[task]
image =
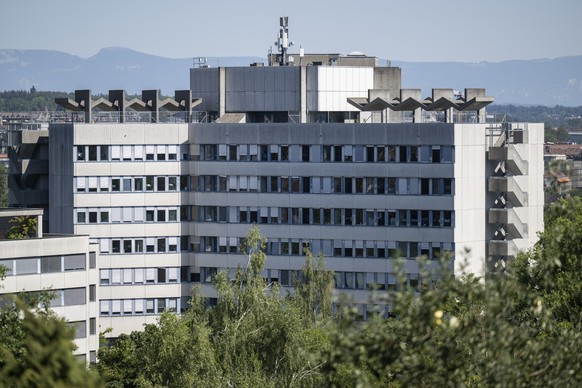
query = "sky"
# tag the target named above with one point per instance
(403, 30)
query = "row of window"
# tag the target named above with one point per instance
(127, 214)
(324, 185)
(335, 216)
(343, 280)
(338, 248)
(138, 306)
(152, 183)
(127, 276)
(328, 153)
(72, 296)
(47, 264)
(139, 245)
(107, 153)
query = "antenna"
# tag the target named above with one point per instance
(283, 42)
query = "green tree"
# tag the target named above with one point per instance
(24, 227)
(314, 288)
(36, 348)
(549, 134)
(562, 135)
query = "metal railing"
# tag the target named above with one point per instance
(24, 121)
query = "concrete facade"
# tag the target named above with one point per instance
(332, 156)
(63, 264)
(168, 204)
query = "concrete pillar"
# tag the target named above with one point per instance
(83, 97)
(184, 98)
(303, 97)
(221, 91)
(481, 115)
(417, 115)
(117, 98)
(449, 115)
(152, 99)
(39, 226)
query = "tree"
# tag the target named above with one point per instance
(562, 135)
(549, 134)
(314, 288)
(36, 347)
(252, 336)
(24, 227)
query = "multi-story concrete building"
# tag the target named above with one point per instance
(326, 152)
(64, 265)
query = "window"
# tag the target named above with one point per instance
(74, 296)
(115, 152)
(93, 217)
(104, 183)
(80, 330)
(81, 217)
(115, 246)
(161, 215)
(127, 246)
(74, 262)
(172, 183)
(161, 183)
(115, 184)
(305, 153)
(92, 328)
(81, 153)
(126, 184)
(104, 153)
(50, 264)
(104, 216)
(92, 293)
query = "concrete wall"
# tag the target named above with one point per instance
(205, 84)
(328, 87)
(61, 178)
(58, 246)
(263, 89)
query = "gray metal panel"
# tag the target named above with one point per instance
(250, 76)
(270, 78)
(259, 80)
(260, 101)
(239, 79)
(248, 102)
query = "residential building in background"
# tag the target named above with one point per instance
(65, 266)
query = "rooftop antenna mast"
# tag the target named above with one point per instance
(282, 42)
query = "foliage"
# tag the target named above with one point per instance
(554, 116)
(251, 337)
(36, 349)
(22, 101)
(314, 288)
(24, 227)
(520, 328)
(29, 101)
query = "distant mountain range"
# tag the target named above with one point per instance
(556, 81)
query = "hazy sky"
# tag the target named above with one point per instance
(408, 30)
